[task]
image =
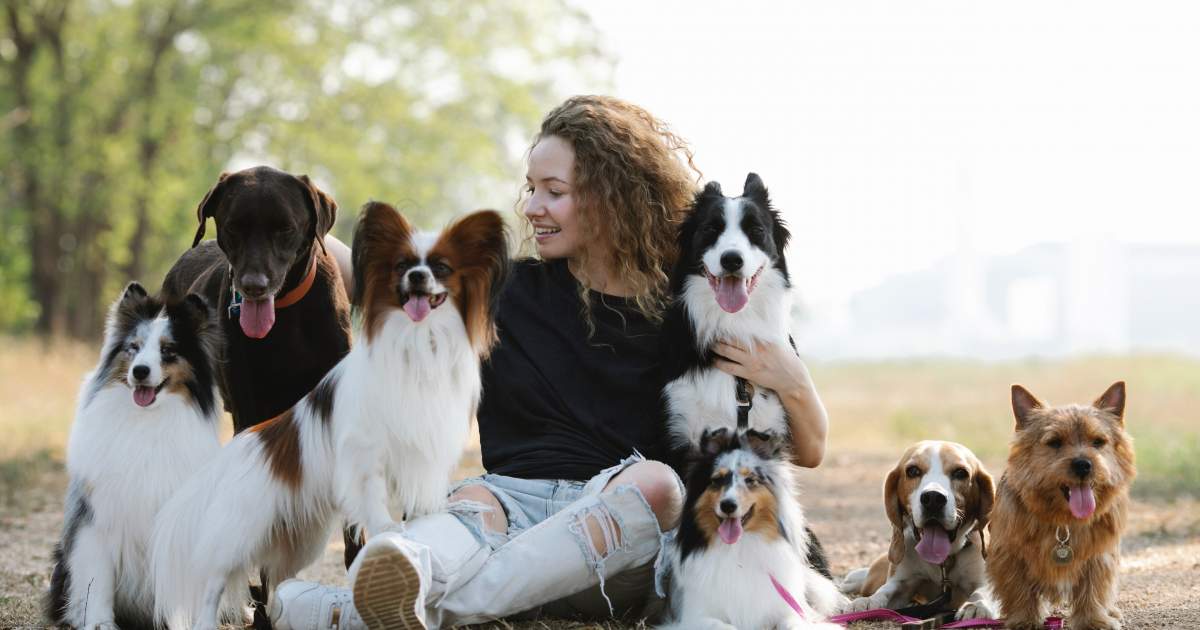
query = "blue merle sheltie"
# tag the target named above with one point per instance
(741, 556)
(147, 419)
(730, 283)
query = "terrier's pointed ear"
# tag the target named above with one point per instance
(714, 441)
(755, 189)
(1113, 401)
(1023, 404)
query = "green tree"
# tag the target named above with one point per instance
(116, 117)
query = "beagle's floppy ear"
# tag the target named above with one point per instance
(895, 512)
(208, 205)
(985, 498)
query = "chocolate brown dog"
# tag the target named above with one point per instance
(279, 294)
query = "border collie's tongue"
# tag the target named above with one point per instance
(934, 545)
(1082, 500)
(730, 530)
(731, 293)
(417, 307)
(143, 396)
(258, 316)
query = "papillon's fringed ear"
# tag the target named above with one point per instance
(714, 441)
(381, 236)
(765, 444)
(208, 206)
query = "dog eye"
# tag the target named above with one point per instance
(133, 347)
(440, 269)
(960, 473)
(751, 481)
(168, 353)
(912, 471)
(1055, 444)
(1098, 442)
(757, 231)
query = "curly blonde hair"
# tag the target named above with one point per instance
(634, 179)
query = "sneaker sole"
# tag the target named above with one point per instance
(386, 591)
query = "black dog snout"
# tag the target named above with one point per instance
(731, 261)
(728, 506)
(418, 278)
(933, 500)
(1081, 467)
(140, 372)
(254, 285)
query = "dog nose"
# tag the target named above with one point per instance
(418, 278)
(254, 284)
(728, 506)
(140, 372)
(1081, 467)
(933, 500)
(731, 261)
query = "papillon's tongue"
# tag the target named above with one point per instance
(257, 318)
(730, 530)
(143, 396)
(1082, 500)
(417, 307)
(731, 293)
(934, 545)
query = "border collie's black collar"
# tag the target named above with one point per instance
(744, 392)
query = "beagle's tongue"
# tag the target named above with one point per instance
(732, 294)
(257, 317)
(417, 307)
(1082, 500)
(143, 396)
(934, 545)
(730, 530)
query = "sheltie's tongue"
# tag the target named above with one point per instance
(417, 307)
(143, 396)
(732, 294)
(257, 318)
(934, 545)
(1082, 500)
(730, 530)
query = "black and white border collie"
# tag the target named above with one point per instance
(385, 428)
(730, 283)
(147, 421)
(741, 557)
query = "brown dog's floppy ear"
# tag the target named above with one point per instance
(1113, 401)
(208, 205)
(895, 513)
(322, 210)
(985, 498)
(1023, 404)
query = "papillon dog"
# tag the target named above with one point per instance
(740, 558)
(147, 421)
(729, 283)
(386, 426)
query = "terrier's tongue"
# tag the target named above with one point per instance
(1082, 501)
(730, 530)
(934, 545)
(143, 396)
(258, 316)
(731, 294)
(417, 307)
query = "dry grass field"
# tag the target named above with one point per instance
(876, 409)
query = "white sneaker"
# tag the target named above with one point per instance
(297, 605)
(389, 590)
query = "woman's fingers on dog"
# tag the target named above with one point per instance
(730, 367)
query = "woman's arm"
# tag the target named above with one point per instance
(778, 368)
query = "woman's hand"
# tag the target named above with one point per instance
(777, 367)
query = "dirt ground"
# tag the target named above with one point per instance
(1160, 576)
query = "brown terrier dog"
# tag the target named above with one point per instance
(1060, 509)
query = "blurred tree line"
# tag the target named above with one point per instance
(116, 116)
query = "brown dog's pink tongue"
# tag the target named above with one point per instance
(730, 530)
(1082, 500)
(417, 307)
(731, 294)
(934, 545)
(257, 318)
(143, 396)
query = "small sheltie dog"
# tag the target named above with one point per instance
(1060, 511)
(387, 425)
(730, 283)
(146, 422)
(742, 549)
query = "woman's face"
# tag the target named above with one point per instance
(551, 205)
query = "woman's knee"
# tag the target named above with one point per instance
(494, 519)
(659, 485)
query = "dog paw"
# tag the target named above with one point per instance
(975, 610)
(859, 605)
(1099, 622)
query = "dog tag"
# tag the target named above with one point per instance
(1062, 554)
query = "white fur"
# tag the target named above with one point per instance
(125, 461)
(402, 409)
(934, 480)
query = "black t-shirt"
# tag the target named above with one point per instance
(556, 404)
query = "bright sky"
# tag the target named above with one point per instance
(891, 133)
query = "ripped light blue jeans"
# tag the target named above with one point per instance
(546, 564)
